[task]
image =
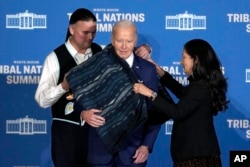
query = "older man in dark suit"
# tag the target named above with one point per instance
(133, 145)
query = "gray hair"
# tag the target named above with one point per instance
(123, 23)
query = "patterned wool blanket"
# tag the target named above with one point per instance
(105, 82)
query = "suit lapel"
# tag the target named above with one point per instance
(136, 68)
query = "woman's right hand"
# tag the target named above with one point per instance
(142, 89)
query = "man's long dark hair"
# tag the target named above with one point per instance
(207, 67)
(80, 14)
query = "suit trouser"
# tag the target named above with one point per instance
(98, 156)
(69, 144)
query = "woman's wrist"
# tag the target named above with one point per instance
(160, 71)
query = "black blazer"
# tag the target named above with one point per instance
(193, 133)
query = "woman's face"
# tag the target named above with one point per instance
(187, 63)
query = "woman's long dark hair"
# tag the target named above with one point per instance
(207, 67)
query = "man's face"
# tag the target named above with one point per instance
(83, 33)
(124, 40)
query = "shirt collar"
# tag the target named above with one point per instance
(73, 51)
(130, 60)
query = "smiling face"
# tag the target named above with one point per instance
(124, 39)
(187, 62)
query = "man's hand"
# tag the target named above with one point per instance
(93, 119)
(141, 154)
(65, 84)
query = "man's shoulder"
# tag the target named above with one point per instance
(60, 46)
(144, 62)
(61, 50)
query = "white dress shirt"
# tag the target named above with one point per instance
(130, 60)
(48, 92)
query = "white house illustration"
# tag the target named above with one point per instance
(26, 21)
(186, 22)
(26, 126)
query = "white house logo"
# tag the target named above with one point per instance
(186, 22)
(26, 21)
(248, 75)
(26, 126)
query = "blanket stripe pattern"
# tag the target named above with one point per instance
(105, 82)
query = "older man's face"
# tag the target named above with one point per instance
(124, 40)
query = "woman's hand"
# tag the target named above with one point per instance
(142, 89)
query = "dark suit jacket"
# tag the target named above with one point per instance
(144, 135)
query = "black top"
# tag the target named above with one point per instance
(193, 133)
